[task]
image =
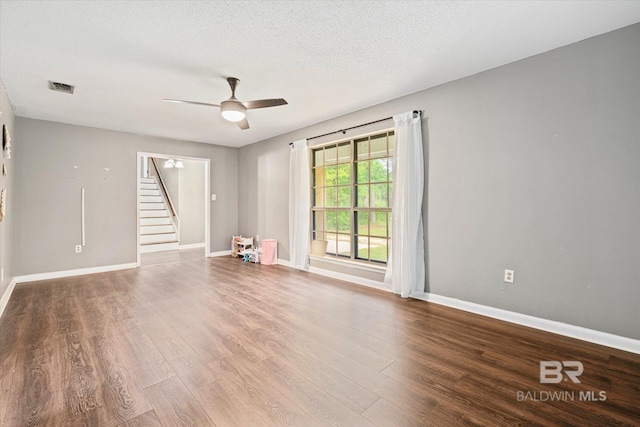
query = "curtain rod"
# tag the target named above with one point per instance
(344, 131)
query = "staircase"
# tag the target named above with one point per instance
(157, 229)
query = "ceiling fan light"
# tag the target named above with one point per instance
(232, 111)
(169, 163)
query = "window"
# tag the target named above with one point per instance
(352, 188)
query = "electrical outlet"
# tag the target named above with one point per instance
(78, 249)
(508, 276)
(257, 237)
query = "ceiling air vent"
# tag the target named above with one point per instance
(61, 87)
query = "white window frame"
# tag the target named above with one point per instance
(353, 209)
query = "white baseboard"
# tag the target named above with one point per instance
(284, 262)
(71, 273)
(578, 332)
(219, 253)
(4, 300)
(565, 329)
(191, 246)
(348, 278)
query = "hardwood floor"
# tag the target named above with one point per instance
(166, 257)
(220, 342)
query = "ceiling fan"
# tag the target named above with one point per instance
(234, 110)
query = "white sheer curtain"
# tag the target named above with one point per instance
(299, 205)
(405, 267)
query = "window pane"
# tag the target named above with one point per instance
(379, 170)
(363, 223)
(318, 177)
(344, 245)
(357, 223)
(379, 146)
(363, 196)
(330, 221)
(319, 197)
(331, 198)
(331, 175)
(330, 155)
(362, 148)
(378, 224)
(344, 197)
(363, 247)
(363, 171)
(344, 174)
(344, 221)
(378, 249)
(331, 243)
(379, 196)
(344, 153)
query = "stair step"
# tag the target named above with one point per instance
(155, 221)
(154, 213)
(151, 206)
(158, 238)
(158, 247)
(160, 242)
(156, 229)
(150, 199)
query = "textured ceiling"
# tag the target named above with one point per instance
(327, 58)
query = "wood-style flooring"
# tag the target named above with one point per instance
(167, 257)
(220, 342)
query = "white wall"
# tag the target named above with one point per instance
(186, 188)
(7, 257)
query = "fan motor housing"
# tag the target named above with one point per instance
(233, 110)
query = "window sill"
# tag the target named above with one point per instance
(349, 263)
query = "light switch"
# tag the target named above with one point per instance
(213, 197)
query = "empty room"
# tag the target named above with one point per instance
(319, 213)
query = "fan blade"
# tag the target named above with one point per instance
(243, 124)
(191, 102)
(264, 103)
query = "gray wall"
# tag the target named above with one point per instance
(6, 226)
(171, 179)
(191, 201)
(264, 192)
(48, 201)
(533, 166)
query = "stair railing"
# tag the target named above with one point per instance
(165, 194)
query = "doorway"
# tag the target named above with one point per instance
(159, 205)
